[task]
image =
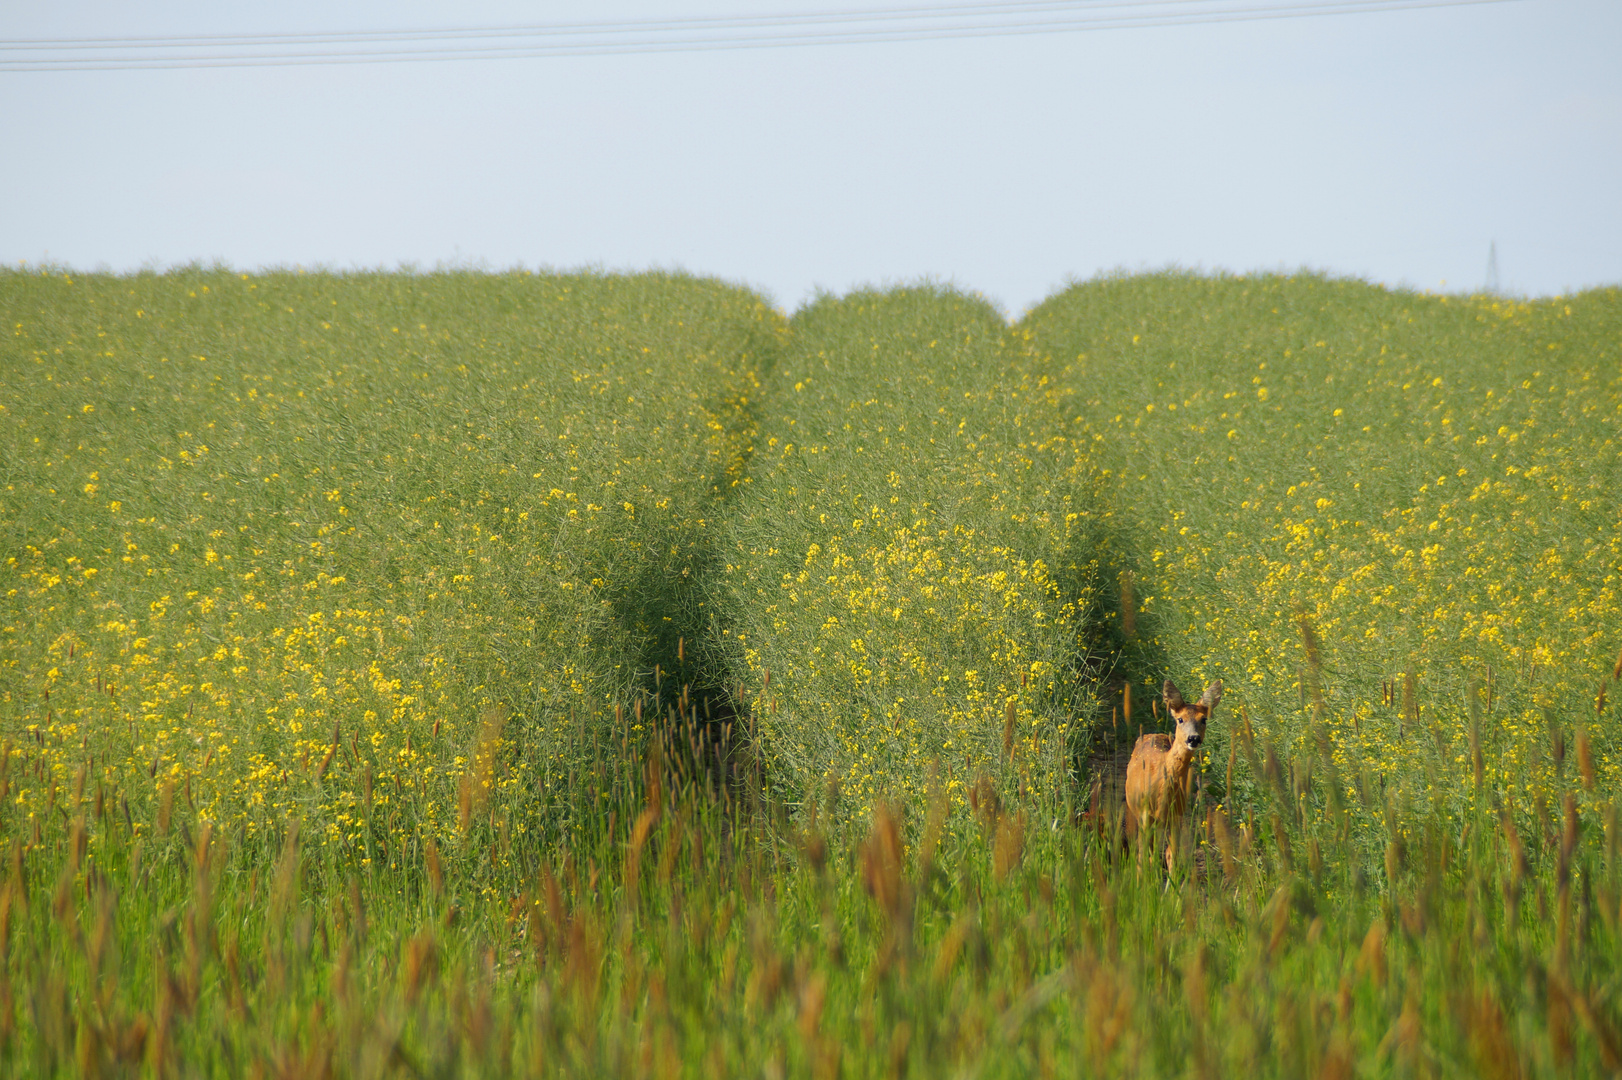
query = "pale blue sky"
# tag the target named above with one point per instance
(1393, 146)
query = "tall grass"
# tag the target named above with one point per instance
(694, 947)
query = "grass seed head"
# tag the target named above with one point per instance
(1585, 760)
(882, 859)
(1557, 1018)
(1009, 847)
(421, 964)
(640, 832)
(436, 874)
(166, 806)
(813, 993)
(1371, 960)
(464, 803)
(1568, 837)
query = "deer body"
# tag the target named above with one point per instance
(1158, 776)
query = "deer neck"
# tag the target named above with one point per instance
(1178, 758)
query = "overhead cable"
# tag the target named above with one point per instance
(691, 34)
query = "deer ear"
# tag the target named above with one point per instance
(1212, 695)
(1174, 696)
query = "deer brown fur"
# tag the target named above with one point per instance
(1158, 776)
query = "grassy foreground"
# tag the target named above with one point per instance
(414, 718)
(706, 945)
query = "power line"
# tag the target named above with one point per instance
(709, 23)
(692, 34)
(702, 22)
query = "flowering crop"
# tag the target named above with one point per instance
(909, 562)
(286, 544)
(1385, 518)
(331, 608)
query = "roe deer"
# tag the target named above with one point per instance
(1157, 777)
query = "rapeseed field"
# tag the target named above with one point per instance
(470, 675)
(372, 551)
(910, 563)
(1388, 521)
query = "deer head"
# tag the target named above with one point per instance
(1190, 718)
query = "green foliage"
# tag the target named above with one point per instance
(1386, 520)
(384, 679)
(909, 562)
(700, 944)
(298, 543)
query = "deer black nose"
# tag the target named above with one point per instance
(1194, 741)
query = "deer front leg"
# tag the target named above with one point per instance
(1180, 786)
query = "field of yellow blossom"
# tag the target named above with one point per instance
(321, 545)
(485, 675)
(1386, 520)
(908, 572)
